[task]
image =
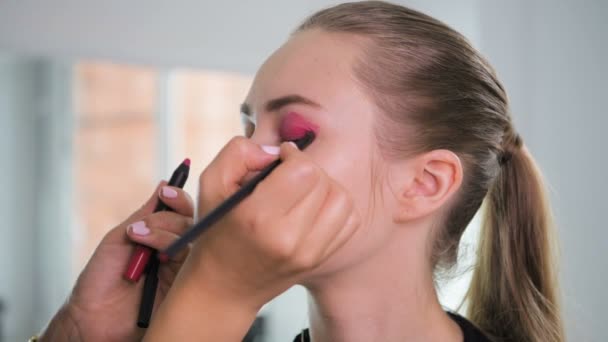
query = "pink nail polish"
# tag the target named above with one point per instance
(139, 228)
(274, 150)
(169, 192)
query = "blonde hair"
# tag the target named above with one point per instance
(426, 76)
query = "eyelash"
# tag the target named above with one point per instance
(248, 124)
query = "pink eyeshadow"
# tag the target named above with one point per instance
(295, 126)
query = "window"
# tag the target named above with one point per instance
(125, 117)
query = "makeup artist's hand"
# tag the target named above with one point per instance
(103, 306)
(293, 221)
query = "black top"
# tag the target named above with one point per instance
(470, 332)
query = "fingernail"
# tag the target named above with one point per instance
(168, 192)
(274, 150)
(139, 228)
(294, 144)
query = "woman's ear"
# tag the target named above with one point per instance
(434, 178)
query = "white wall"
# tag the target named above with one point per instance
(550, 54)
(18, 266)
(232, 35)
(35, 180)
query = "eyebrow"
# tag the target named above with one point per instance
(280, 102)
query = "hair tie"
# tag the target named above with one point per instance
(512, 143)
(504, 158)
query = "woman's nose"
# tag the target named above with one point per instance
(266, 133)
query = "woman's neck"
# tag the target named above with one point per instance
(375, 302)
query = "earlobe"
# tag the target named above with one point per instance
(437, 176)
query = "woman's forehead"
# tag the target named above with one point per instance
(315, 62)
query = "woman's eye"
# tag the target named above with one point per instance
(248, 125)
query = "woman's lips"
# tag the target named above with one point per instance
(295, 126)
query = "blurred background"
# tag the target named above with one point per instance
(100, 100)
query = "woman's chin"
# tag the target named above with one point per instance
(341, 262)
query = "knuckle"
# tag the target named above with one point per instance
(306, 261)
(257, 219)
(151, 221)
(284, 246)
(238, 144)
(189, 221)
(184, 206)
(342, 200)
(156, 220)
(306, 172)
(184, 225)
(188, 200)
(167, 220)
(355, 219)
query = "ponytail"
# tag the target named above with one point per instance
(513, 294)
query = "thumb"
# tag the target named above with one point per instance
(236, 161)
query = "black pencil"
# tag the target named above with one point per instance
(178, 179)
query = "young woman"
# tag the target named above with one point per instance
(413, 132)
